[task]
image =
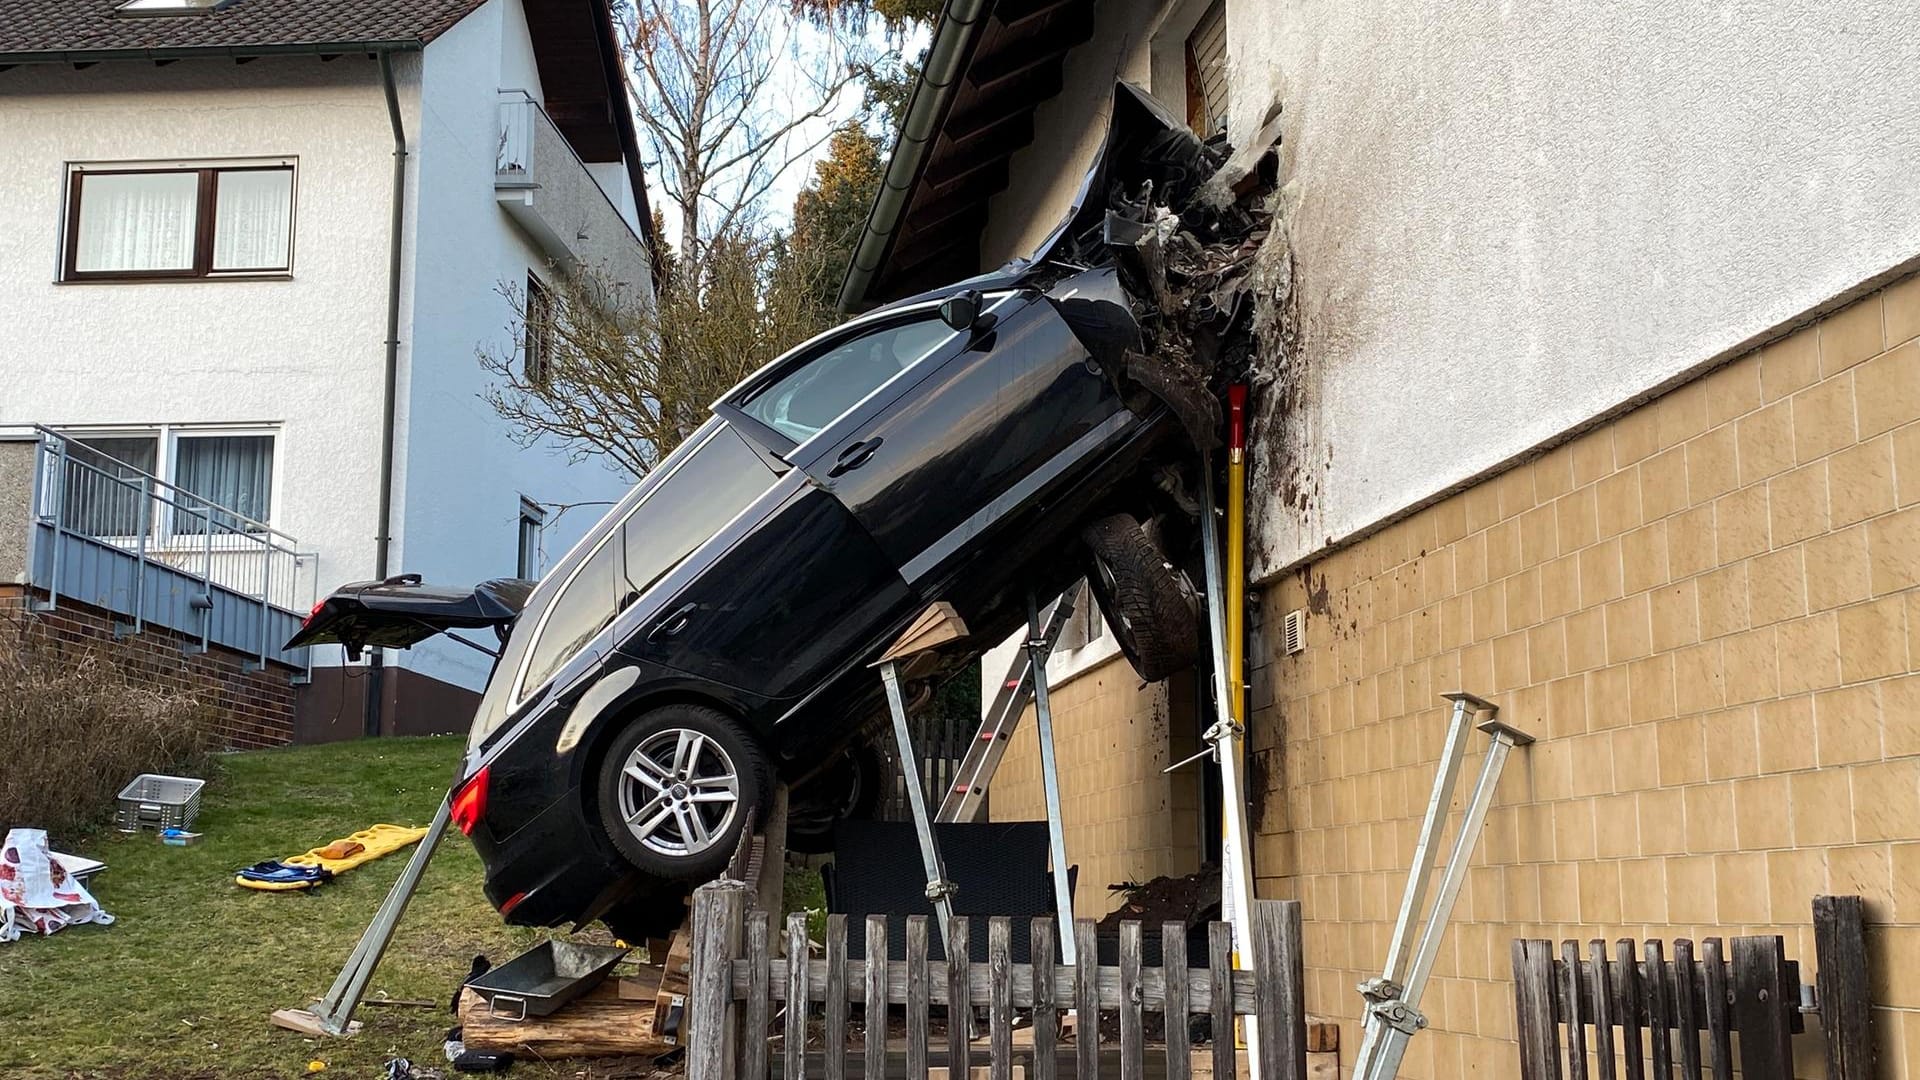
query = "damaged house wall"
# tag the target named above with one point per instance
(1509, 221)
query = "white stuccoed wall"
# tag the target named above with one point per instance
(458, 502)
(1511, 218)
(305, 354)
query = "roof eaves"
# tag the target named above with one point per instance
(188, 52)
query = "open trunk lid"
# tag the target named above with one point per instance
(402, 611)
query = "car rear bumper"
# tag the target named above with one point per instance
(551, 870)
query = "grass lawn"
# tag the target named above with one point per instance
(181, 985)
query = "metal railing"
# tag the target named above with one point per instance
(98, 498)
(515, 151)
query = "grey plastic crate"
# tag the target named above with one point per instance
(153, 801)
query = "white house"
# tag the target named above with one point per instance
(1598, 396)
(254, 246)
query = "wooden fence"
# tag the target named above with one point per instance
(1754, 992)
(737, 979)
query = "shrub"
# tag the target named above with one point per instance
(74, 728)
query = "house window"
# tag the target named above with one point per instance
(217, 478)
(1206, 51)
(170, 7)
(179, 222)
(537, 346)
(532, 520)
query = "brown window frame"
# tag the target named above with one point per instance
(536, 356)
(203, 226)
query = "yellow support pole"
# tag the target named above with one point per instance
(1235, 588)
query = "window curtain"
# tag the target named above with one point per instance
(231, 472)
(101, 490)
(137, 221)
(253, 214)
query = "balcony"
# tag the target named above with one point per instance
(548, 190)
(147, 552)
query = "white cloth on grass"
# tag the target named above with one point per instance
(37, 893)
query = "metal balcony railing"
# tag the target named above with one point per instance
(541, 180)
(147, 549)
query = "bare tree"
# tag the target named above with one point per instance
(730, 94)
(622, 378)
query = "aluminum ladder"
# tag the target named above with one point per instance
(1393, 997)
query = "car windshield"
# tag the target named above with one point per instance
(821, 389)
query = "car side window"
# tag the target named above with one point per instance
(823, 388)
(711, 487)
(585, 605)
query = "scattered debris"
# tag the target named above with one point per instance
(37, 893)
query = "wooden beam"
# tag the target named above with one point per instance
(597, 1024)
(955, 160)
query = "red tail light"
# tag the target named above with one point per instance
(513, 901)
(470, 802)
(312, 615)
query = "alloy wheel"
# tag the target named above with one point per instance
(679, 792)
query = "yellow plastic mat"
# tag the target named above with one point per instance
(375, 842)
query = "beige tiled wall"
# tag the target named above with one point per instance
(1124, 819)
(1708, 611)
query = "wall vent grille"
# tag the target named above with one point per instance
(1293, 632)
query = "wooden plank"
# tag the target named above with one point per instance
(1719, 1018)
(712, 1024)
(875, 1061)
(1086, 1001)
(1686, 1008)
(917, 996)
(1173, 962)
(675, 970)
(836, 1030)
(1000, 1011)
(1658, 1016)
(1533, 1009)
(959, 1006)
(1576, 1013)
(1846, 1009)
(1133, 1041)
(1219, 975)
(980, 990)
(600, 1023)
(1046, 1012)
(794, 1031)
(1627, 983)
(758, 1009)
(1759, 1014)
(1280, 999)
(1603, 1011)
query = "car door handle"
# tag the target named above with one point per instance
(673, 624)
(854, 456)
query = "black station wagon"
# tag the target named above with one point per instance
(715, 630)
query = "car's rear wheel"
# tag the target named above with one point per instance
(677, 789)
(1147, 601)
(851, 788)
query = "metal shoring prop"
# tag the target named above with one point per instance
(1236, 867)
(1393, 1008)
(335, 1011)
(939, 889)
(1038, 648)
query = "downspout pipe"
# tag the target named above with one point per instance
(953, 40)
(396, 235)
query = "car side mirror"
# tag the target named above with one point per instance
(961, 311)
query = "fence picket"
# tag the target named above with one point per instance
(753, 1049)
(1686, 1012)
(1603, 1012)
(1173, 962)
(835, 1038)
(1279, 1003)
(959, 1013)
(1046, 1012)
(1759, 1014)
(1086, 1001)
(1133, 1045)
(875, 1061)
(1220, 979)
(918, 996)
(1000, 1010)
(1846, 1012)
(1577, 1017)
(1658, 1017)
(795, 1041)
(1533, 1009)
(1630, 1005)
(1719, 1022)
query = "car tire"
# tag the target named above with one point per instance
(858, 785)
(677, 789)
(1147, 601)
